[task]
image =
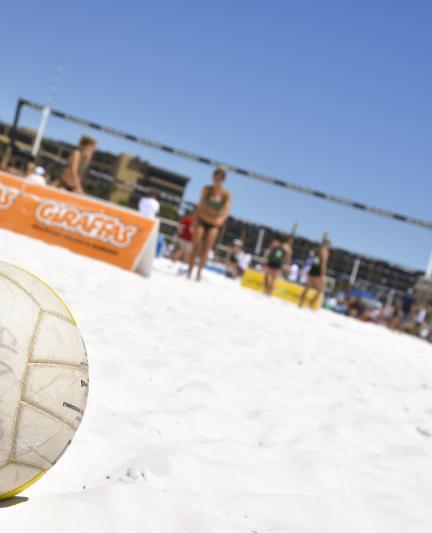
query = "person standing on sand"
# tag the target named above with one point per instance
(293, 272)
(233, 259)
(184, 239)
(149, 205)
(278, 254)
(35, 175)
(79, 160)
(212, 211)
(317, 273)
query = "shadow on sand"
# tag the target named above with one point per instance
(16, 500)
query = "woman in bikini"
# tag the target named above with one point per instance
(212, 211)
(79, 159)
(317, 273)
(278, 254)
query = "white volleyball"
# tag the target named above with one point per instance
(43, 379)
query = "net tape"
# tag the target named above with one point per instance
(233, 168)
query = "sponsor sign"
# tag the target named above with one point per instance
(287, 290)
(82, 224)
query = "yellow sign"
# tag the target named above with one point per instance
(286, 290)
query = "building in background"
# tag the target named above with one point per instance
(112, 177)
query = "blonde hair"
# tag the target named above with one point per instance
(86, 140)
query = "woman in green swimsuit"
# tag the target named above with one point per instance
(212, 211)
(79, 160)
(278, 254)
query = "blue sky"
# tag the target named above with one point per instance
(334, 95)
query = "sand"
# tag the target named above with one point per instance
(214, 409)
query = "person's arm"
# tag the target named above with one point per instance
(324, 262)
(74, 163)
(287, 260)
(269, 249)
(200, 203)
(226, 211)
(197, 212)
(194, 221)
(288, 257)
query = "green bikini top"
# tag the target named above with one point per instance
(277, 254)
(82, 168)
(217, 204)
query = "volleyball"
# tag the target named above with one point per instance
(43, 379)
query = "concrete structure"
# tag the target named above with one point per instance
(372, 273)
(423, 287)
(129, 169)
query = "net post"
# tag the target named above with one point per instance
(259, 243)
(39, 135)
(354, 271)
(428, 272)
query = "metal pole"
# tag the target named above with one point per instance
(39, 135)
(46, 110)
(260, 240)
(354, 271)
(428, 273)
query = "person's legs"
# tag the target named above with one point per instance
(177, 254)
(319, 285)
(274, 272)
(230, 270)
(208, 242)
(304, 293)
(267, 281)
(197, 243)
(183, 251)
(187, 249)
(266, 276)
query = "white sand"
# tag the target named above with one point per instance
(215, 410)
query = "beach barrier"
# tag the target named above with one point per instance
(84, 225)
(287, 290)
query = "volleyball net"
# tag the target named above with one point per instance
(278, 182)
(108, 182)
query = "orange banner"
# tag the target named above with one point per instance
(84, 225)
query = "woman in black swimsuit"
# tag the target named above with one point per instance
(212, 211)
(232, 264)
(79, 160)
(317, 273)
